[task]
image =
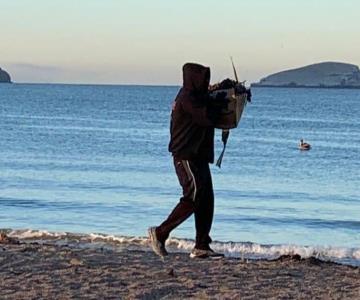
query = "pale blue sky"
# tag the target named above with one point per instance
(147, 42)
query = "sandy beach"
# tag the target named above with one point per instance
(51, 271)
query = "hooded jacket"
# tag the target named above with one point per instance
(192, 122)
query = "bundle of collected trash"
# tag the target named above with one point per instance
(230, 97)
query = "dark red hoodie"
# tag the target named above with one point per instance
(192, 123)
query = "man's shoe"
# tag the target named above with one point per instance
(200, 253)
(157, 246)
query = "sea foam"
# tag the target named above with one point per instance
(243, 250)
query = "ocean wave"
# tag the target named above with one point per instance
(243, 250)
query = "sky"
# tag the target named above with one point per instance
(147, 42)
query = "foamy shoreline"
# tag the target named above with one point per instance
(243, 250)
(32, 270)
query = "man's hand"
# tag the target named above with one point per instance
(220, 101)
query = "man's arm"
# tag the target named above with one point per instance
(200, 112)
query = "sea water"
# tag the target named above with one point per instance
(93, 159)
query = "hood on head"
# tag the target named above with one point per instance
(196, 77)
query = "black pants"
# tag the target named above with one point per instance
(198, 198)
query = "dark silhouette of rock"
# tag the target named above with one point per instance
(4, 239)
(4, 76)
(321, 75)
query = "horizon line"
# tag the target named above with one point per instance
(106, 84)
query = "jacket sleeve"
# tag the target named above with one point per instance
(200, 112)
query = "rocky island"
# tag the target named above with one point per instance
(320, 75)
(4, 77)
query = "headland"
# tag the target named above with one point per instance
(320, 75)
(4, 76)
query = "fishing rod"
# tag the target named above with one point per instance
(239, 89)
(226, 132)
(235, 74)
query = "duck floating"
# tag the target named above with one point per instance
(304, 146)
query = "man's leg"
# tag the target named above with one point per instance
(204, 209)
(186, 205)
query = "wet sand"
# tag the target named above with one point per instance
(50, 271)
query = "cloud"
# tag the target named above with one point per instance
(27, 72)
(36, 68)
(123, 74)
(115, 74)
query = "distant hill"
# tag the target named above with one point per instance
(4, 76)
(326, 74)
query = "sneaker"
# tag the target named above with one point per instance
(200, 253)
(157, 246)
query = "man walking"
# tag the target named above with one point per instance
(192, 148)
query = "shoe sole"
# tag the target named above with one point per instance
(199, 256)
(193, 256)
